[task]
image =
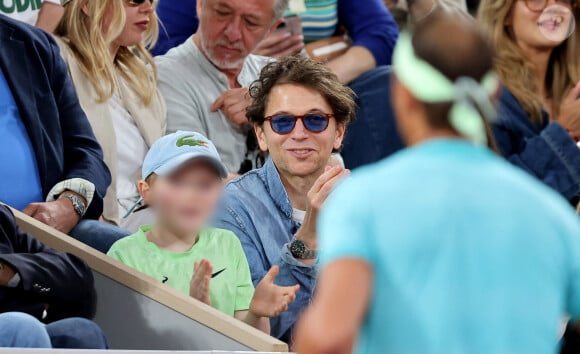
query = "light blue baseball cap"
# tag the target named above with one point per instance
(172, 151)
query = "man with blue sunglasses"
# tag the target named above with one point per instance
(300, 113)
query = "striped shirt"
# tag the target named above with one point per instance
(320, 19)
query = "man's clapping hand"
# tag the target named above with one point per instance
(316, 197)
(270, 300)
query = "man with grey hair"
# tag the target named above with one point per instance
(205, 80)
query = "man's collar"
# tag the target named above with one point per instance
(275, 187)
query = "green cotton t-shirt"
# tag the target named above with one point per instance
(230, 291)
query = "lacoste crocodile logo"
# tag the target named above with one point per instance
(189, 141)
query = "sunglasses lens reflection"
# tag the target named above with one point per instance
(283, 124)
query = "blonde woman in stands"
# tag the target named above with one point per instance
(538, 61)
(104, 44)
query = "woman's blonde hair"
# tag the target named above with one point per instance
(90, 40)
(517, 73)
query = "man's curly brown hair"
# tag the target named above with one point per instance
(303, 72)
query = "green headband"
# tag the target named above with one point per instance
(428, 85)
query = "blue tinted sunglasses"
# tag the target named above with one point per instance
(285, 123)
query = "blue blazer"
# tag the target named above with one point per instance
(62, 138)
(545, 150)
(47, 277)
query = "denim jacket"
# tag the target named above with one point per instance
(257, 209)
(545, 150)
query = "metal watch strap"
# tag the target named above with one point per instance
(77, 203)
(310, 254)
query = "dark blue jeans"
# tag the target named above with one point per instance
(373, 135)
(98, 235)
(20, 330)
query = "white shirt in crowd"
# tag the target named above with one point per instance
(24, 10)
(298, 215)
(131, 151)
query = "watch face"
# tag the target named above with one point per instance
(298, 248)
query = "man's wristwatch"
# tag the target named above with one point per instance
(77, 203)
(300, 251)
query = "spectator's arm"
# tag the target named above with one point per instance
(183, 112)
(250, 319)
(374, 33)
(60, 279)
(552, 156)
(49, 16)
(83, 157)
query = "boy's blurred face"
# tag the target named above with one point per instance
(185, 200)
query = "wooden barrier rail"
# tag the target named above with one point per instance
(138, 312)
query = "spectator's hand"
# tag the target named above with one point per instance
(324, 185)
(317, 196)
(280, 44)
(233, 103)
(59, 214)
(570, 111)
(270, 300)
(199, 284)
(6, 274)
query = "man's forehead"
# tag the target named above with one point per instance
(259, 8)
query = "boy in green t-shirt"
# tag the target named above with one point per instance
(182, 180)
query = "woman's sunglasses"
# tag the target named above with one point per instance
(138, 2)
(540, 5)
(285, 123)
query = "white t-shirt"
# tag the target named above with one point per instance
(131, 151)
(24, 10)
(298, 215)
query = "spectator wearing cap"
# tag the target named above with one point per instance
(442, 248)
(182, 181)
(205, 80)
(46, 297)
(104, 44)
(300, 112)
(52, 164)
